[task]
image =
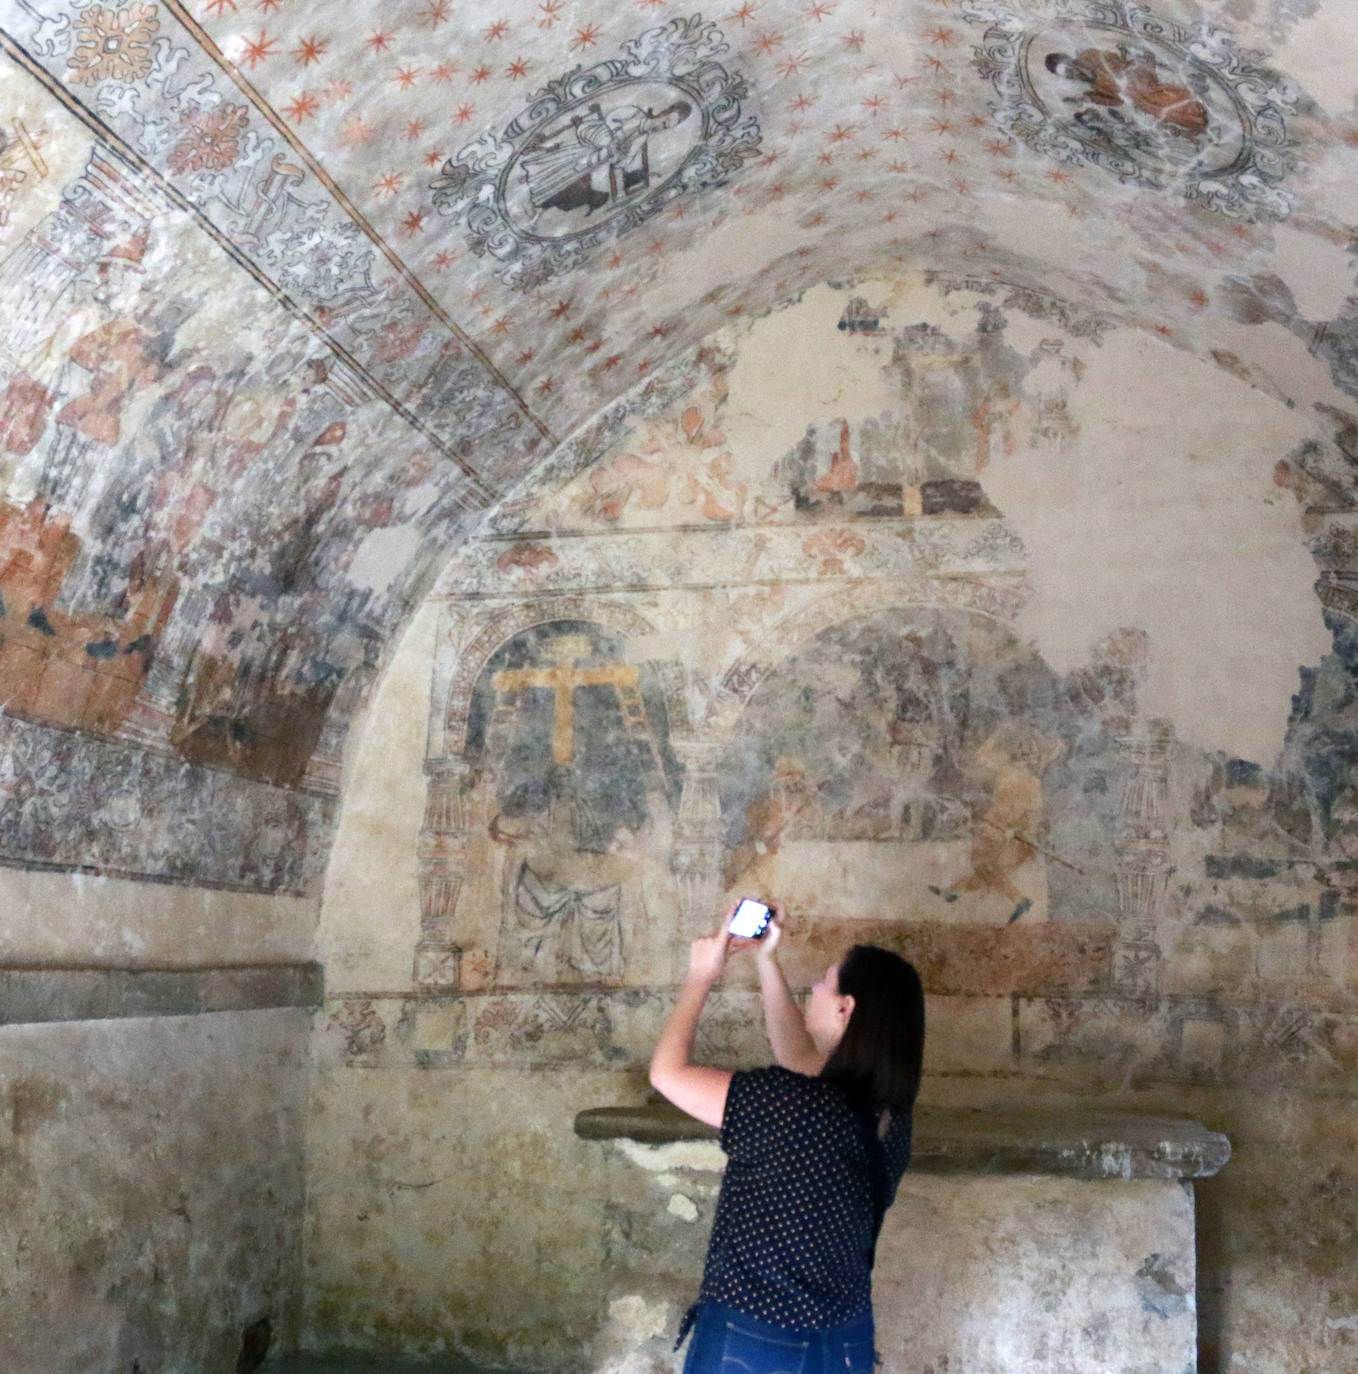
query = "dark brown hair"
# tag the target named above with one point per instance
(878, 1058)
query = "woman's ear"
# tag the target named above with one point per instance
(845, 1008)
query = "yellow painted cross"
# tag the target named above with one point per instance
(561, 679)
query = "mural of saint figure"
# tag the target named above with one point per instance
(574, 787)
(1124, 78)
(597, 158)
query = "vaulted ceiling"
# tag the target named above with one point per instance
(293, 295)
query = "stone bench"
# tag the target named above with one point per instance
(1021, 1241)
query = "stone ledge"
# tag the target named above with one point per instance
(1063, 1143)
(31, 996)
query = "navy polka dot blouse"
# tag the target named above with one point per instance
(797, 1216)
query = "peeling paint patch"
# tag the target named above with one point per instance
(641, 1319)
(1160, 1292)
(682, 1207)
(702, 1155)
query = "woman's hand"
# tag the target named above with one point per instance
(767, 945)
(707, 956)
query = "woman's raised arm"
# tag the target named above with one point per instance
(792, 1045)
(694, 1088)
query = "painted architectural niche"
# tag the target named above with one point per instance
(1153, 102)
(535, 854)
(600, 150)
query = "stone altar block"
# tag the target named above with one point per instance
(1021, 1242)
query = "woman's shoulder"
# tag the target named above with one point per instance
(775, 1085)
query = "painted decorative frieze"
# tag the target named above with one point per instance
(72, 802)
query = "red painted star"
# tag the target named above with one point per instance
(586, 37)
(496, 31)
(257, 49)
(414, 221)
(302, 107)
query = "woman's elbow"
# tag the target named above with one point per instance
(658, 1077)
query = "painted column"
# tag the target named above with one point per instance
(697, 851)
(1143, 863)
(442, 850)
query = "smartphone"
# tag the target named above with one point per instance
(750, 919)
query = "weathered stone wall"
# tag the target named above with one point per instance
(898, 605)
(153, 1179)
(153, 1081)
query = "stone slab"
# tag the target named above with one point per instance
(1068, 1143)
(34, 995)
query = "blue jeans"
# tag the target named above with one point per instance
(725, 1341)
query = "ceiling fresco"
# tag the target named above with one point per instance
(293, 298)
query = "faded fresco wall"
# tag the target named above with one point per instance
(803, 621)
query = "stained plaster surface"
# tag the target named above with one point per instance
(383, 809)
(72, 919)
(153, 1176)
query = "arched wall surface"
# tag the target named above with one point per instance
(879, 676)
(266, 364)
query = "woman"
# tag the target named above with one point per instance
(816, 1146)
